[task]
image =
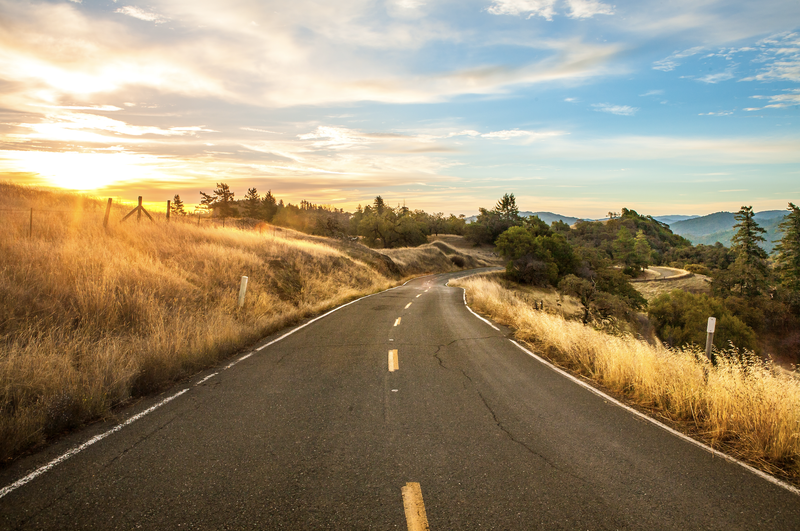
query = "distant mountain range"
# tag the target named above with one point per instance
(718, 227)
(547, 217)
(708, 230)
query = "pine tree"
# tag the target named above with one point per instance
(750, 267)
(177, 206)
(507, 208)
(269, 206)
(252, 203)
(788, 259)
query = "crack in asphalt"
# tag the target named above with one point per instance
(496, 419)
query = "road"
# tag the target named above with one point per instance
(666, 272)
(316, 432)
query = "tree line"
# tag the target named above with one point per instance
(377, 224)
(756, 298)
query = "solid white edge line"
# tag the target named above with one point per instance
(685, 437)
(206, 378)
(470, 309)
(44, 468)
(63, 457)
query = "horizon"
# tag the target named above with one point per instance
(578, 106)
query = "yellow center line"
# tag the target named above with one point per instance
(416, 518)
(420, 295)
(398, 321)
(394, 362)
(407, 305)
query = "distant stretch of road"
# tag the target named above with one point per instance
(402, 410)
(666, 272)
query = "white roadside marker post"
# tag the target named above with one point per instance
(242, 291)
(712, 323)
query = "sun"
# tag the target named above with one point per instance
(78, 170)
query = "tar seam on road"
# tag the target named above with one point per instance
(76, 450)
(416, 519)
(41, 470)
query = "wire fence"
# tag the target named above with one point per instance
(25, 222)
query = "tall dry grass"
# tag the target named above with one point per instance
(750, 409)
(89, 317)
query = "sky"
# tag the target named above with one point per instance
(578, 107)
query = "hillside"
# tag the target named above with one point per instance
(718, 227)
(92, 317)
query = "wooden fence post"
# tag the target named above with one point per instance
(108, 211)
(242, 291)
(712, 323)
(30, 227)
(167, 210)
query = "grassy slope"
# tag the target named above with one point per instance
(751, 411)
(89, 317)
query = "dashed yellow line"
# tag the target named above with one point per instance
(407, 305)
(416, 518)
(420, 295)
(398, 321)
(394, 362)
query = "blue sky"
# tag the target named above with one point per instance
(577, 107)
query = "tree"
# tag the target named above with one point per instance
(788, 258)
(506, 207)
(252, 203)
(220, 199)
(642, 249)
(177, 206)
(269, 207)
(750, 267)
(680, 318)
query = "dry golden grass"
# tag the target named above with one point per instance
(694, 284)
(751, 410)
(89, 317)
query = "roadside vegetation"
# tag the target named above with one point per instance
(92, 317)
(755, 298)
(743, 405)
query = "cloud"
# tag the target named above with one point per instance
(588, 8)
(135, 12)
(527, 136)
(533, 8)
(778, 101)
(546, 8)
(719, 76)
(657, 92)
(781, 56)
(465, 132)
(720, 113)
(621, 110)
(672, 61)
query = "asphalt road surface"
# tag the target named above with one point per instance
(316, 432)
(666, 272)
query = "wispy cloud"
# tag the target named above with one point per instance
(718, 113)
(778, 101)
(673, 61)
(141, 14)
(546, 8)
(657, 92)
(621, 110)
(588, 8)
(719, 76)
(527, 136)
(531, 8)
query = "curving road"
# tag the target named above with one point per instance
(328, 429)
